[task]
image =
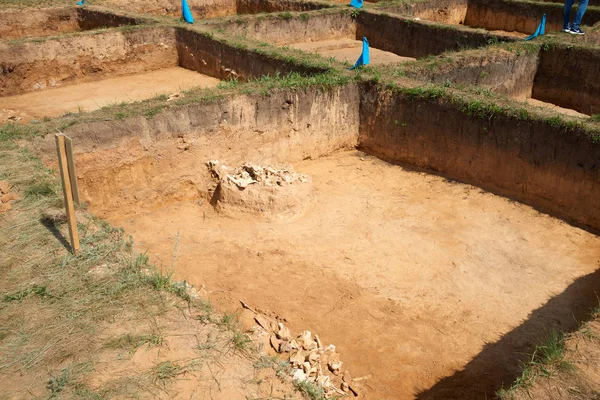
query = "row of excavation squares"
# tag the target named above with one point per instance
(412, 180)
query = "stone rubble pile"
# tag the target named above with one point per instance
(309, 359)
(249, 174)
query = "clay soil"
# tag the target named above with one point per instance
(94, 95)
(408, 274)
(349, 50)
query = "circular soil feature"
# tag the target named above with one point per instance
(272, 193)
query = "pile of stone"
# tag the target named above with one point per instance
(309, 359)
(249, 174)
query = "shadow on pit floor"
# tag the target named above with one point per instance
(500, 363)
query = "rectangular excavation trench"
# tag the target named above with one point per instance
(412, 276)
(29, 23)
(335, 33)
(202, 9)
(558, 77)
(92, 70)
(520, 18)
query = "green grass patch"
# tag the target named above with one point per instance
(547, 359)
(37, 290)
(15, 131)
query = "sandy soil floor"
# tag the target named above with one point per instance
(412, 276)
(349, 50)
(93, 95)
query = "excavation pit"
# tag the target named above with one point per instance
(202, 9)
(515, 18)
(407, 273)
(19, 23)
(90, 71)
(412, 275)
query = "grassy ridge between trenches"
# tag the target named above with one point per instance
(438, 63)
(487, 105)
(450, 60)
(33, 3)
(60, 314)
(476, 101)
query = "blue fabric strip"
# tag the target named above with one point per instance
(541, 29)
(356, 3)
(365, 57)
(187, 14)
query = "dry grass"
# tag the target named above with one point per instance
(61, 315)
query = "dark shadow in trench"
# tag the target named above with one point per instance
(51, 226)
(500, 363)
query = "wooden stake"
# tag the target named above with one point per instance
(67, 191)
(72, 172)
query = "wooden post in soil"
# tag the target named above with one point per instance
(66, 175)
(72, 173)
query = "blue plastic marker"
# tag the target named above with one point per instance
(541, 29)
(187, 14)
(356, 3)
(80, 3)
(365, 57)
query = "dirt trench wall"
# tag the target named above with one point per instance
(145, 163)
(445, 11)
(532, 161)
(520, 16)
(210, 9)
(220, 60)
(93, 19)
(504, 72)
(27, 23)
(281, 31)
(199, 8)
(512, 16)
(33, 65)
(416, 38)
(569, 77)
(17, 23)
(261, 6)
(214, 8)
